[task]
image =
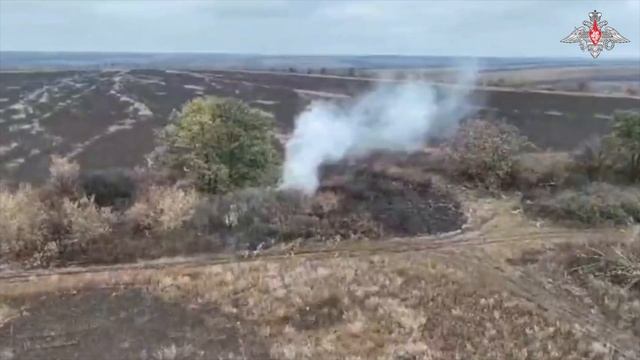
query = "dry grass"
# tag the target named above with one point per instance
(383, 307)
(6, 314)
(173, 352)
(618, 264)
(608, 274)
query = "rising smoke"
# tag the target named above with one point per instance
(394, 117)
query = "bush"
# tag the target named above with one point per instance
(109, 187)
(21, 218)
(485, 152)
(615, 155)
(64, 176)
(69, 226)
(253, 218)
(40, 230)
(608, 271)
(595, 159)
(596, 203)
(221, 145)
(615, 262)
(161, 208)
(549, 170)
(83, 221)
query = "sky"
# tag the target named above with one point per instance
(515, 28)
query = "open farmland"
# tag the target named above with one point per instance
(105, 119)
(393, 257)
(390, 259)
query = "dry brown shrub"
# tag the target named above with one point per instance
(70, 226)
(40, 231)
(162, 208)
(541, 170)
(617, 262)
(21, 216)
(260, 218)
(255, 217)
(85, 220)
(608, 270)
(64, 175)
(485, 152)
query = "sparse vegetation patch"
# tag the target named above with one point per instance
(593, 204)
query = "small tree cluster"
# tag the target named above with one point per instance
(615, 154)
(221, 145)
(626, 132)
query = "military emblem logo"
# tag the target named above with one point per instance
(595, 35)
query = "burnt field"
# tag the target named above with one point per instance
(107, 119)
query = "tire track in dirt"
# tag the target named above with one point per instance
(530, 286)
(345, 249)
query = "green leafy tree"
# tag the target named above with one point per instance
(626, 132)
(221, 144)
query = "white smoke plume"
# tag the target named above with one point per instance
(395, 117)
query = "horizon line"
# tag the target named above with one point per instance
(577, 57)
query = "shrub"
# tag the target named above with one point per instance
(484, 152)
(255, 217)
(595, 159)
(618, 153)
(84, 220)
(221, 145)
(608, 271)
(109, 187)
(38, 232)
(162, 208)
(548, 170)
(21, 216)
(595, 204)
(64, 176)
(615, 262)
(626, 131)
(70, 226)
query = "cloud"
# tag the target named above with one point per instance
(482, 28)
(368, 11)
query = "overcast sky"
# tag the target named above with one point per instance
(472, 27)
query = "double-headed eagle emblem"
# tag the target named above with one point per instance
(594, 35)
